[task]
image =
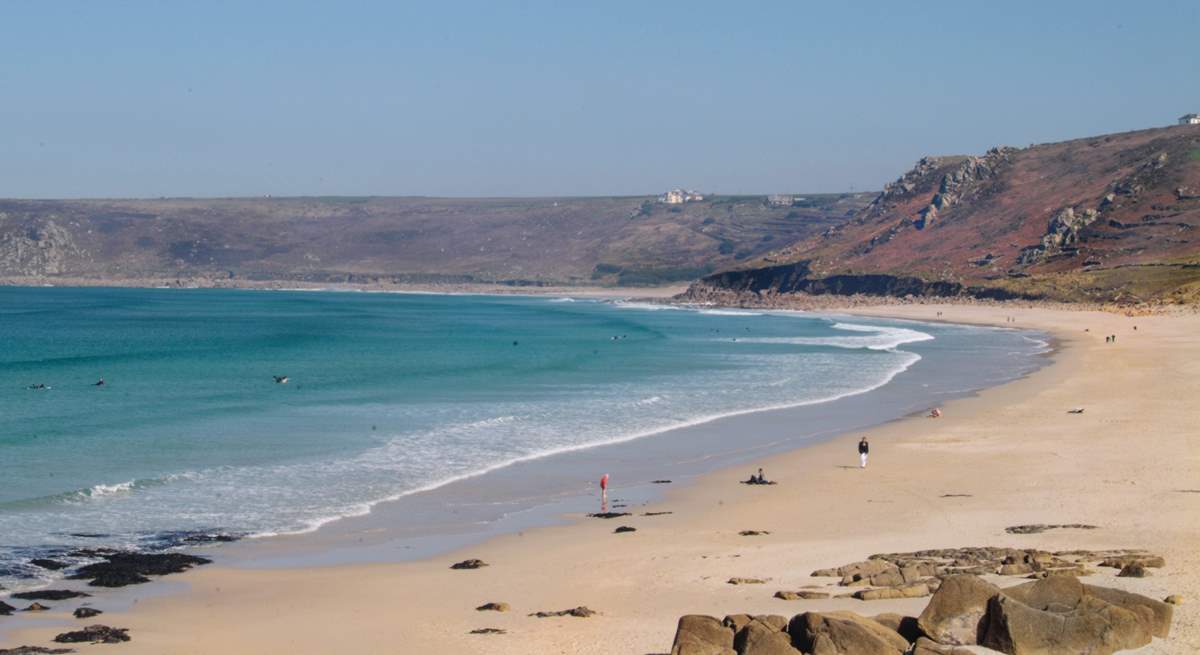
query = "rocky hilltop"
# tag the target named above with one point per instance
(526, 241)
(1103, 219)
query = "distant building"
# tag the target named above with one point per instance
(1189, 119)
(679, 196)
(780, 200)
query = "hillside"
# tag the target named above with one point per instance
(561, 241)
(1109, 218)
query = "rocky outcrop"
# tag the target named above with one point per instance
(493, 607)
(50, 594)
(125, 568)
(36, 249)
(469, 564)
(6, 609)
(94, 634)
(702, 635)
(1057, 614)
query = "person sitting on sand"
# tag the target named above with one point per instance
(864, 449)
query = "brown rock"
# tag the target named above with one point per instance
(762, 638)
(843, 633)
(702, 635)
(493, 607)
(36, 607)
(1149, 561)
(925, 646)
(1093, 627)
(905, 626)
(747, 580)
(955, 613)
(801, 595)
(915, 590)
(469, 564)
(1133, 570)
(489, 631)
(1016, 569)
(1174, 599)
(581, 612)
(1156, 614)
(96, 634)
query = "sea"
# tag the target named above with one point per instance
(229, 414)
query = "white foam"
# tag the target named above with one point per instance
(881, 338)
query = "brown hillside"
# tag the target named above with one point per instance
(607, 241)
(1107, 218)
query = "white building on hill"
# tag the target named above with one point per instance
(1189, 119)
(680, 196)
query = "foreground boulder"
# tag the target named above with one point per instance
(702, 635)
(844, 633)
(955, 613)
(764, 636)
(1093, 626)
(96, 634)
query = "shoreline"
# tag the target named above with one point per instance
(689, 501)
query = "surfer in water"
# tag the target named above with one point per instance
(99, 383)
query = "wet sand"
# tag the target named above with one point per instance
(1130, 464)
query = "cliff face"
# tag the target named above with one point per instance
(592, 241)
(1108, 218)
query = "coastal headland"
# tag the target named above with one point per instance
(1014, 455)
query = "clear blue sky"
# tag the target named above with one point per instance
(561, 98)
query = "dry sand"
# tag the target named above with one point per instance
(1129, 464)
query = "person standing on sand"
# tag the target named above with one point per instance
(864, 449)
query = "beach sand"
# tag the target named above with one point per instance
(1130, 464)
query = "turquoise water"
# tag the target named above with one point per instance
(387, 395)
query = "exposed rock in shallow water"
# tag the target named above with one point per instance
(468, 564)
(581, 612)
(87, 612)
(6, 609)
(123, 568)
(49, 564)
(36, 607)
(96, 634)
(50, 594)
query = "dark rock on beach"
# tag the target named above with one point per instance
(1042, 527)
(123, 568)
(625, 528)
(50, 594)
(95, 634)
(36, 607)
(656, 513)
(608, 515)
(660, 482)
(35, 650)
(753, 533)
(581, 612)
(488, 631)
(6, 609)
(49, 564)
(87, 612)
(469, 564)
(493, 607)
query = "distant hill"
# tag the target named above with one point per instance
(1109, 218)
(552, 241)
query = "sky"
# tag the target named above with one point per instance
(148, 99)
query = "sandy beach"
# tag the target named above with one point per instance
(1013, 455)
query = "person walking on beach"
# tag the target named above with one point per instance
(864, 449)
